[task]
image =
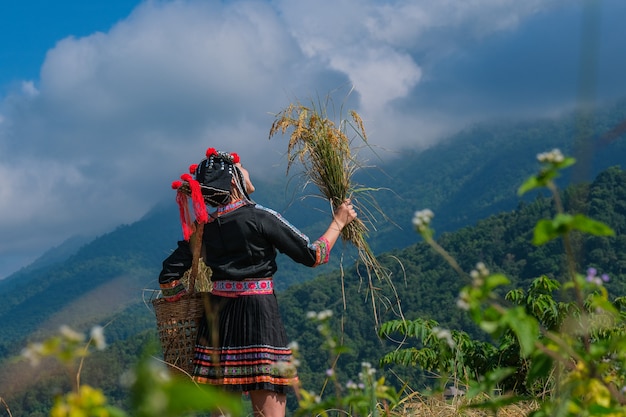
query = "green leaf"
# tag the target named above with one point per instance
(540, 368)
(185, 396)
(494, 281)
(530, 184)
(568, 161)
(525, 328)
(544, 232)
(593, 227)
(489, 326)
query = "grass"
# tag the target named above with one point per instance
(416, 405)
(327, 153)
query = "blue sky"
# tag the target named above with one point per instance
(104, 103)
(31, 27)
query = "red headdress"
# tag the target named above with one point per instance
(189, 187)
(211, 185)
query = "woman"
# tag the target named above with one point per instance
(242, 345)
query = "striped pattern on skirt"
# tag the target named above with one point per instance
(250, 349)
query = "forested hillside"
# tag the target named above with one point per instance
(427, 287)
(470, 182)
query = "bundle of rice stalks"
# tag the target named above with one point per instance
(325, 153)
(202, 280)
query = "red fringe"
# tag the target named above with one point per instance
(199, 207)
(185, 215)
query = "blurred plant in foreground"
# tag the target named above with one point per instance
(69, 348)
(154, 391)
(583, 360)
(367, 396)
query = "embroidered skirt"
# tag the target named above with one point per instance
(242, 345)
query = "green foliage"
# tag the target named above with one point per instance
(370, 396)
(154, 390)
(429, 290)
(452, 354)
(547, 230)
(574, 349)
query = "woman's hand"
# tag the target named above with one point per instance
(344, 214)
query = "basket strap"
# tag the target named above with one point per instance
(196, 250)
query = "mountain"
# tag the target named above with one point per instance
(422, 285)
(464, 180)
(427, 287)
(57, 254)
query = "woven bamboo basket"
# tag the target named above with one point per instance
(178, 321)
(177, 325)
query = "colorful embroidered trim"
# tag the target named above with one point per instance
(245, 287)
(244, 366)
(323, 250)
(230, 207)
(173, 290)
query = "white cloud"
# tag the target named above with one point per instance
(116, 116)
(119, 115)
(379, 76)
(29, 89)
(377, 44)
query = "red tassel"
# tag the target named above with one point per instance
(199, 207)
(211, 152)
(185, 217)
(176, 185)
(192, 168)
(235, 157)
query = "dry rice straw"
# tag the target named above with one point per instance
(324, 151)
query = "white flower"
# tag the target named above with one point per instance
(33, 353)
(553, 157)
(351, 385)
(311, 315)
(323, 315)
(482, 269)
(282, 367)
(71, 335)
(128, 378)
(97, 336)
(367, 370)
(444, 334)
(159, 371)
(422, 218)
(462, 304)
(479, 273)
